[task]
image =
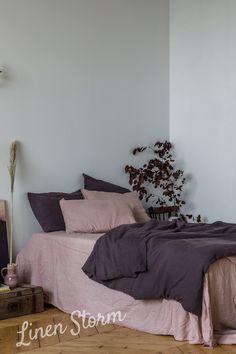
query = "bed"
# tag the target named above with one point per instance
(54, 261)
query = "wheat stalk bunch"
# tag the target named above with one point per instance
(12, 164)
(12, 174)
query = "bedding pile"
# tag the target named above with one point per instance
(157, 260)
(172, 278)
(54, 261)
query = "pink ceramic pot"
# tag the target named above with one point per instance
(10, 278)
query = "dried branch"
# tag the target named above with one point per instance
(158, 173)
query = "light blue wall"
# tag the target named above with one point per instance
(87, 81)
(203, 101)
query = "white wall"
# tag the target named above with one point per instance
(87, 81)
(203, 100)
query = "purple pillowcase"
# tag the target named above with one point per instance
(93, 184)
(46, 208)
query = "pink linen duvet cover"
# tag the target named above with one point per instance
(54, 261)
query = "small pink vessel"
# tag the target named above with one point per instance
(10, 278)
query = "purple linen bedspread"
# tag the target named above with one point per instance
(155, 260)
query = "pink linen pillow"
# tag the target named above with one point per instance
(130, 198)
(95, 215)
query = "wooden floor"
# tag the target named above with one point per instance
(107, 339)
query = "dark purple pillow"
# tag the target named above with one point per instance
(47, 211)
(93, 184)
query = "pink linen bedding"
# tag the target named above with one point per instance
(54, 262)
(95, 215)
(131, 199)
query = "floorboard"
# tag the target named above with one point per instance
(108, 339)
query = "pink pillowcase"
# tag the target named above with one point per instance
(95, 215)
(131, 199)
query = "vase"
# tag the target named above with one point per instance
(10, 277)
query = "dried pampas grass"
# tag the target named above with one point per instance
(12, 173)
(12, 164)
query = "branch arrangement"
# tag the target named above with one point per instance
(158, 180)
